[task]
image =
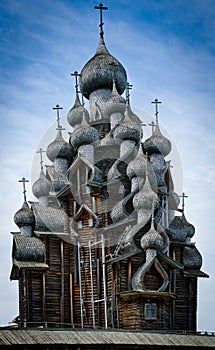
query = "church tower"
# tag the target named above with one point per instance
(105, 244)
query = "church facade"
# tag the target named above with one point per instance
(105, 244)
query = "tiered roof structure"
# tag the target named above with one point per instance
(101, 247)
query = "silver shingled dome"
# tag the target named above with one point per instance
(98, 73)
(59, 148)
(24, 216)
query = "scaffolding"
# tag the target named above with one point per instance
(92, 300)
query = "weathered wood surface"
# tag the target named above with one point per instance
(10, 338)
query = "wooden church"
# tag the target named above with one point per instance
(105, 245)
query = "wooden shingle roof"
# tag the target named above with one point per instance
(101, 339)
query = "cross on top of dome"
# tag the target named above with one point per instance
(23, 180)
(58, 108)
(156, 102)
(101, 8)
(40, 151)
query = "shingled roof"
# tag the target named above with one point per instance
(100, 339)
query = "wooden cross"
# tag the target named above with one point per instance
(57, 108)
(101, 8)
(76, 75)
(41, 157)
(152, 124)
(156, 102)
(23, 180)
(183, 196)
(128, 87)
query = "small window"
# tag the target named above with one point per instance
(150, 311)
(80, 224)
(90, 222)
(94, 264)
(87, 189)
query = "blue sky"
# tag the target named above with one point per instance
(168, 51)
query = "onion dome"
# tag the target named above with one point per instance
(115, 103)
(98, 73)
(192, 259)
(157, 143)
(145, 197)
(59, 148)
(42, 186)
(152, 239)
(137, 167)
(181, 229)
(84, 134)
(75, 114)
(24, 216)
(128, 129)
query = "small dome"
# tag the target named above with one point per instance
(84, 134)
(181, 229)
(24, 216)
(152, 240)
(59, 148)
(145, 197)
(157, 143)
(42, 186)
(75, 115)
(137, 167)
(98, 73)
(192, 259)
(115, 103)
(128, 129)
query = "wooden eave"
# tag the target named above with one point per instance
(195, 273)
(147, 294)
(173, 263)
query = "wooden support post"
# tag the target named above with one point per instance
(91, 282)
(71, 299)
(62, 282)
(80, 282)
(44, 300)
(104, 280)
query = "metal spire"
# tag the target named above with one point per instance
(57, 108)
(156, 102)
(41, 157)
(101, 8)
(128, 87)
(23, 180)
(183, 196)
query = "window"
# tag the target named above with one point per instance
(87, 189)
(80, 224)
(90, 222)
(150, 311)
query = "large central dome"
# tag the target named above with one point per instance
(98, 72)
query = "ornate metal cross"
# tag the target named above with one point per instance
(101, 8)
(23, 180)
(183, 196)
(156, 102)
(128, 87)
(57, 108)
(40, 151)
